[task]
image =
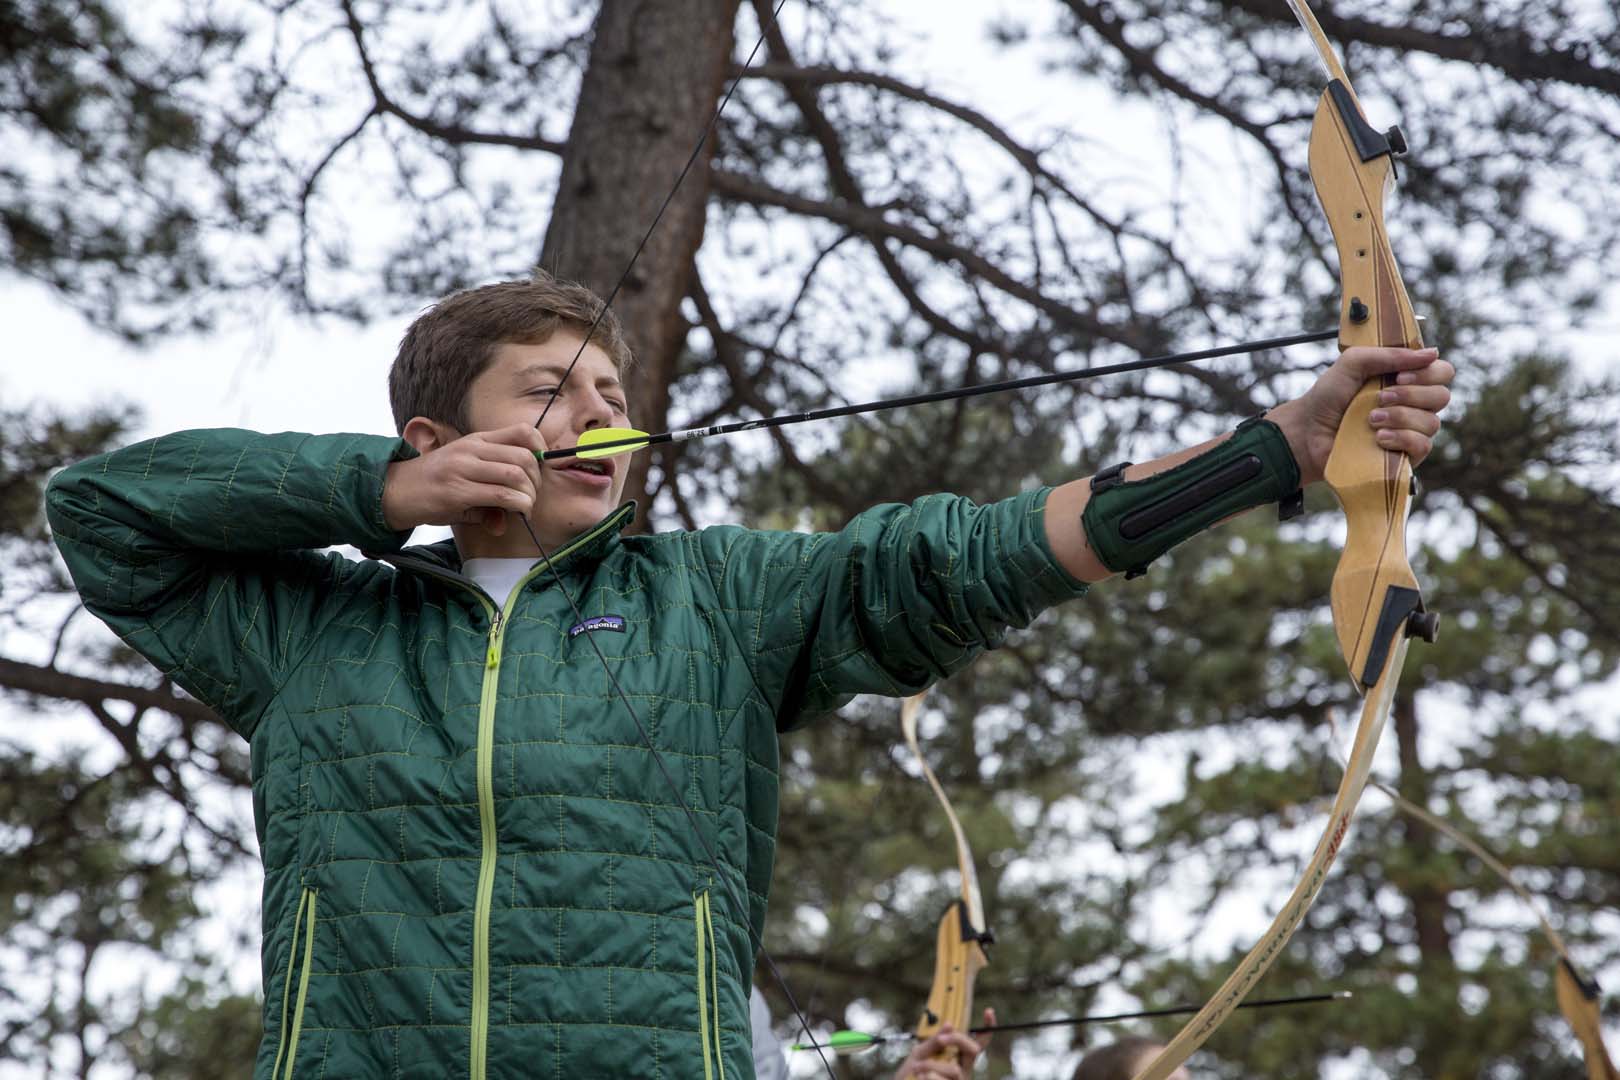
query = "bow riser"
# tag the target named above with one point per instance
(1375, 594)
(958, 959)
(959, 943)
(1578, 1000)
(1374, 308)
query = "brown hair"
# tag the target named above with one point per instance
(1117, 1060)
(452, 343)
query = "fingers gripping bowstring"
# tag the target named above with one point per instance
(646, 736)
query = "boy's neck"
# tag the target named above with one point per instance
(477, 542)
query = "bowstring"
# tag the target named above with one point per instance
(646, 737)
(690, 161)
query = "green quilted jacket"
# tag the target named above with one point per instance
(473, 867)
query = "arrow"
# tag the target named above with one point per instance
(855, 1042)
(608, 442)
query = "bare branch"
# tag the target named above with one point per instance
(49, 682)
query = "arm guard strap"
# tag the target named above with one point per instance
(1130, 523)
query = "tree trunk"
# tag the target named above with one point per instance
(1430, 905)
(654, 78)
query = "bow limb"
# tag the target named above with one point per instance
(959, 945)
(1375, 708)
(1579, 995)
(1376, 603)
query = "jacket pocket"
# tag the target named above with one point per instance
(299, 954)
(708, 988)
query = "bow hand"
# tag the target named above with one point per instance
(1403, 414)
(947, 1054)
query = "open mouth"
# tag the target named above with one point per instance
(590, 468)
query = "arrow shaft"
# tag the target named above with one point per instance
(1108, 1018)
(1174, 1010)
(1074, 375)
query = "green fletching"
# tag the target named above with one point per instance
(843, 1042)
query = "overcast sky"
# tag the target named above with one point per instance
(283, 374)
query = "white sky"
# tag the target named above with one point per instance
(284, 374)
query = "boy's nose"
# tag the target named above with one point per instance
(595, 412)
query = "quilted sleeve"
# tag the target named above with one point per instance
(196, 549)
(900, 597)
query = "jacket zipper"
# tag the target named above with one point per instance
(486, 831)
(478, 1053)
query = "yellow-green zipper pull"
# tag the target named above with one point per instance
(494, 657)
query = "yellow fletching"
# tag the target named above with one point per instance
(596, 436)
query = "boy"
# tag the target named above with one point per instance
(476, 864)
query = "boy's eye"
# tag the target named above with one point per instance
(617, 404)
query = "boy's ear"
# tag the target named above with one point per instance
(426, 435)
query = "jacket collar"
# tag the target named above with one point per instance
(586, 549)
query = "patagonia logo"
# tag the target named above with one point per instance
(598, 622)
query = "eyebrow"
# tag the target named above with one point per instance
(550, 368)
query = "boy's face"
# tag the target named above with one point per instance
(515, 388)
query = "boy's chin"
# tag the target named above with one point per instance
(567, 519)
(579, 512)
